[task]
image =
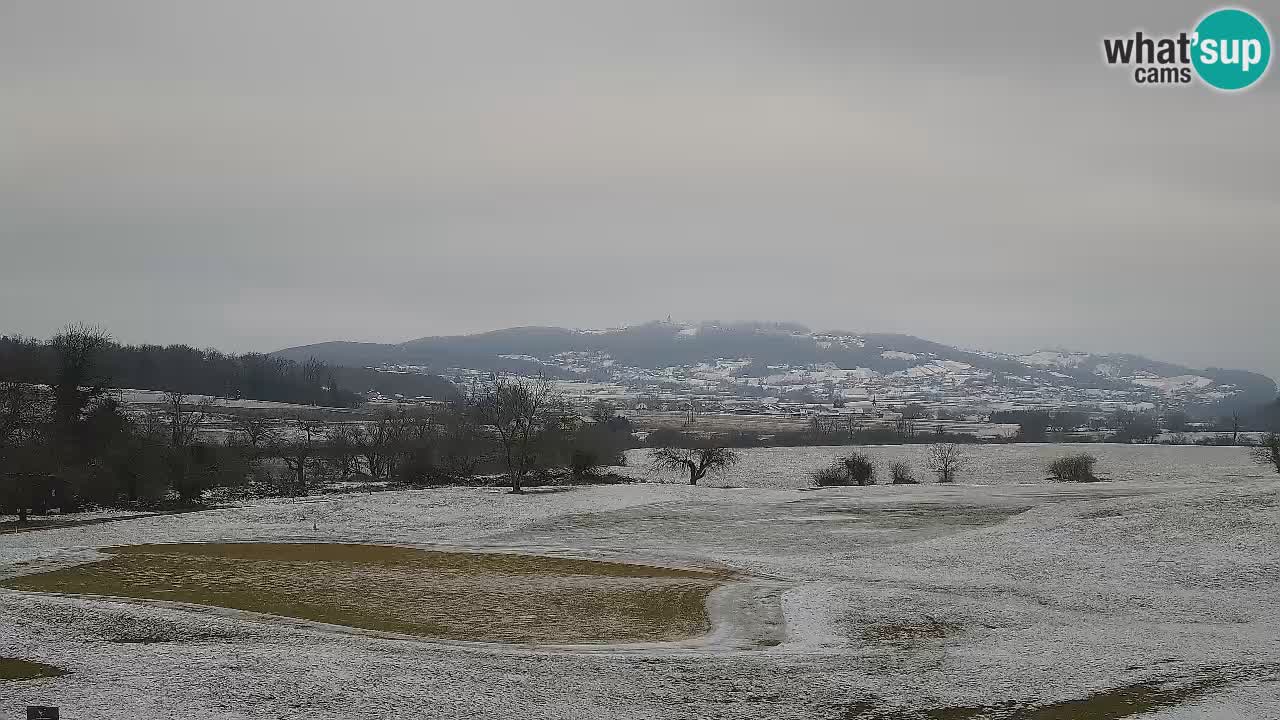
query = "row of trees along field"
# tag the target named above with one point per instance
(1128, 426)
(519, 428)
(67, 443)
(177, 368)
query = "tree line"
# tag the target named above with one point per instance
(1140, 426)
(69, 443)
(518, 428)
(178, 368)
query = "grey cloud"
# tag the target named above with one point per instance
(257, 175)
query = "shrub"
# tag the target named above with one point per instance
(853, 469)
(584, 465)
(902, 474)
(1073, 468)
(860, 469)
(419, 468)
(831, 476)
(1268, 453)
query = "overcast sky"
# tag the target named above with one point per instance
(252, 175)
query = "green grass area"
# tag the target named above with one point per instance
(497, 597)
(18, 669)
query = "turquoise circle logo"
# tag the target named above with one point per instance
(1232, 49)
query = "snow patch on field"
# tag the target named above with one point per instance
(1044, 592)
(157, 397)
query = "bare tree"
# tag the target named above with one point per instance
(602, 411)
(252, 433)
(1130, 426)
(375, 441)
(314, 374)
(23, 413)
(415, 446)
(23, 421)
(341, 453)
(520, 410)
(463, 442)
(79, 378)
(152, 427)
(697, 461)
(184, 418)
(299, 452)
(1268, 453)
(692, 411)
(946, 460)
(905, 427)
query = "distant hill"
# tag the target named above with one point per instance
(252, 376)
(793, 355)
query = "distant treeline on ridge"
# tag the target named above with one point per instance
(252, 376)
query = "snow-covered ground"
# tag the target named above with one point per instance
(903, 598)
(159, 397)
(79, 517)
(793, 467)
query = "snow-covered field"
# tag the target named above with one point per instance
(159, 397)
(904, 599)
(94, 515)
(793, 467)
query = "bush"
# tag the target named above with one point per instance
(1268, 453)
(419, 467)
(1073, 468)
(585, 465)
(831, 476)
(854, 469)
(902, 474)
(860, 468)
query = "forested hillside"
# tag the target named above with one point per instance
(252, 376)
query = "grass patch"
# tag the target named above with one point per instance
(493, 597)
(18, 669)
(1120, 703)
(928, 628)
(915, 516)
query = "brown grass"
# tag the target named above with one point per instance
(454, 595)
(1128, 701)
(18, 669)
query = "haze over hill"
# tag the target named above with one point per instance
(756, 359)
(479, 165)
